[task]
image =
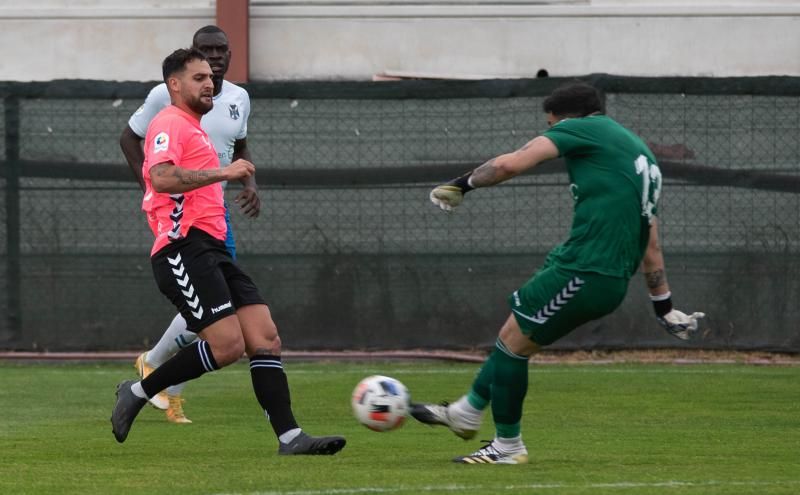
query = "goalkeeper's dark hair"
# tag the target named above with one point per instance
(177, 60)
(574, 99)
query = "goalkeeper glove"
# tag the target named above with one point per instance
(676, 323)
(449, 195)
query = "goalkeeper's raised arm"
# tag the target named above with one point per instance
(677, 323)
(500, 168)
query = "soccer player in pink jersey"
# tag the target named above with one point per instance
(226, 124)
(184, 205)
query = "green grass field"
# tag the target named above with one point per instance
(590, 429)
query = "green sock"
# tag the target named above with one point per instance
(480, 394)
(509, 387)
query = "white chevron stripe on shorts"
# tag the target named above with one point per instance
(556, 303)
(192, 299)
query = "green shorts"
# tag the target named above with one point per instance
(556, 301)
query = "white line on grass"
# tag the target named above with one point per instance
(623, 485)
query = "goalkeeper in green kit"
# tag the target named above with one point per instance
(615, 184)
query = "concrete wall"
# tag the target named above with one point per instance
(325, 39)
(95, 39)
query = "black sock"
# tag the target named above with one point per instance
(272, 392)
(189, 363)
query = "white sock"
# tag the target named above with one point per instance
(176, 389)
(290, 435)
(138, 391)
(175, 337)
(510, 445)
(464, 408)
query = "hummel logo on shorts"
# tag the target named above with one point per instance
(222, 307)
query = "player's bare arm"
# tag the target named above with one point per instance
(167, 177)
(247, 199)
(508, 165)
(677, 323)
(131, 145)
(500, 168)
(653, 264)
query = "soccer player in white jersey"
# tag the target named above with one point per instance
(226, 125)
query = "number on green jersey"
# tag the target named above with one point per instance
(651, 185)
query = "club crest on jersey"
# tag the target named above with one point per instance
(161, 142)
(234, 111)
(573, 189)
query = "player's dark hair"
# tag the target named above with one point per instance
(177, 60)
(574, 99)
(210, 29)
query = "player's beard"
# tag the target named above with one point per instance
(199, 106)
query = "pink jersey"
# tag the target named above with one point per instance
(175, 136)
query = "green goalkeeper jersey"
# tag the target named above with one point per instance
(615, 184)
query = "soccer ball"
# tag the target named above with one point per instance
(380, 403)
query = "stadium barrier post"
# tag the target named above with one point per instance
(12, 174)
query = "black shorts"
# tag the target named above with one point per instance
(198, 275)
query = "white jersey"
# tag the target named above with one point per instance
(224, 124)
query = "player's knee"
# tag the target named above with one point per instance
(272, 339)
(276, 345)
(270, 346)
(229, 351)
(515, 340)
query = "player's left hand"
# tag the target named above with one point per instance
(679, 324)
(447, 196)
(450, 194)
(249, 202)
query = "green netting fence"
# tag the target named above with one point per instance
(348, 250)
